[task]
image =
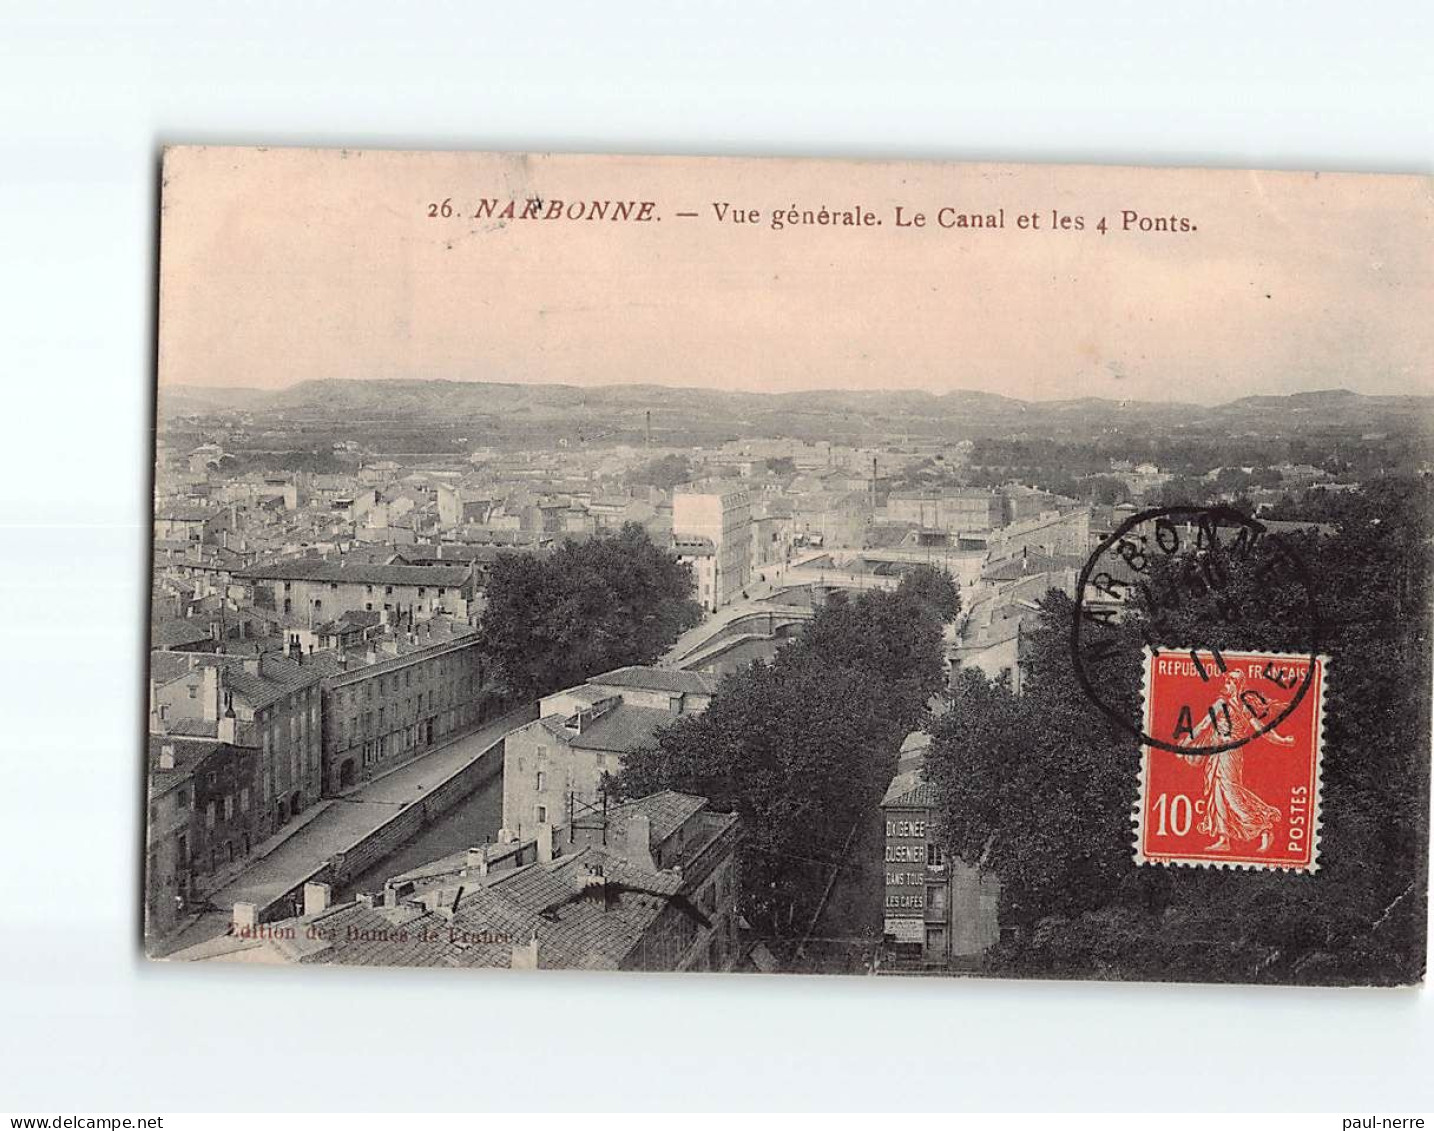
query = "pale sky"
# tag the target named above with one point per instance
(280, 266)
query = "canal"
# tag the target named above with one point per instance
(475, 819)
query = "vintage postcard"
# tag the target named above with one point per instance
(778, 566)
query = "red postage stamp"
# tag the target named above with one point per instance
(1233, 777)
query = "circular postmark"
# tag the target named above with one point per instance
(1198, 573)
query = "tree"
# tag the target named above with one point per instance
(802, 747)
(589, 607)
(934, 587)
(1038, 789)
(1107, 490)
(665, 472)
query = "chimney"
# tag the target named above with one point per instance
(636, 844)
(545, 843)
(525, 956)
(166, 756)
(594, 882)
(245, 919)
(478, 860)
(227, 729)
(253, 664)
(316, 898)
(449, 910)
(212, 691)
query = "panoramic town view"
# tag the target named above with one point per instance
(630, 677)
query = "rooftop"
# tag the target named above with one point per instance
(575, 925)
(667, 811)
(174, 633)
(621, 729)
(362, 573)
(657, 679)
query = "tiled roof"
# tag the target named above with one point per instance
(186, 514)
(667, 811)
(445, 552)
(165, 667)
(278, 675)
(192, 728)
(657, 679)
(362, 573)
(187, 751)
(172, 633)
(622, 729)
(575, 927)
(909, 789)
(189, 755)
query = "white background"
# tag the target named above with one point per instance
(88, 96)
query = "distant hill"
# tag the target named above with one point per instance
(491, 410)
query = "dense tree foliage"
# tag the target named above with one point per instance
(587, 608)
(665, 472)
(936, 588)
(1039, 788)
(803, 747)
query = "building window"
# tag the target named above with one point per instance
(541, 779)
(542, 814)
(209, 815)
(934, 856)
(936, 898)
(228, 806)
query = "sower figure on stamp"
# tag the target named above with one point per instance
(1232, 810)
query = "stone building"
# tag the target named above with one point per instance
(400, 697)
(954, 510)
(555, 766)
(723, 515)
(938, 909)
(324, 588)
(273, 702)
(203, 815)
